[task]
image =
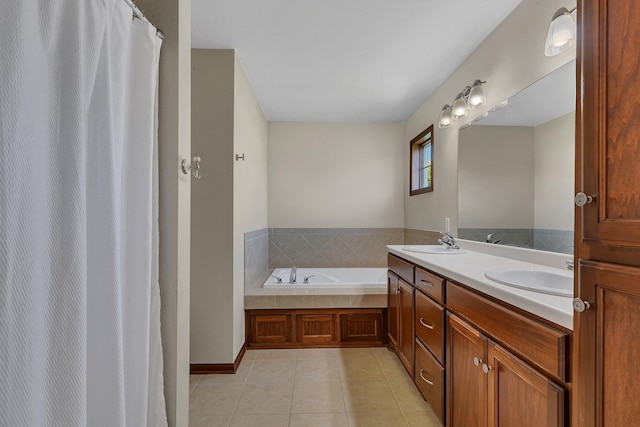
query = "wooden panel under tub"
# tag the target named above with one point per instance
(326, 327)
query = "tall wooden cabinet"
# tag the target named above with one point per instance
(607, 321)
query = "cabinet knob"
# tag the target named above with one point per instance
(486, 368)
(477, 361)
(580, 305)
(582, 199)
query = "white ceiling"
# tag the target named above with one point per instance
(346, 60)
(550, 97)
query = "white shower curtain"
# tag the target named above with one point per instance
(79, 297)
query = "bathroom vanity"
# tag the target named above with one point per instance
(480, 353)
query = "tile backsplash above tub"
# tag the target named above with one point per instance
(331, 247)
(256, 255)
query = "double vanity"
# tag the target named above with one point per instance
(485, 338)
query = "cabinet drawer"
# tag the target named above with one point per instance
(430, 380)
(534, 341)
(430, 325)
(430, 284)
(401, 267)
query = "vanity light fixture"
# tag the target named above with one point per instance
(562, 32)
(470, 98)
(446, 119)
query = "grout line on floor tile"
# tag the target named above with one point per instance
(404, 416)
(244, 386)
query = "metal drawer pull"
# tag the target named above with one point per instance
(426, 325)
(428, 283)
(424, 379)
(486, 368)
(477, 361)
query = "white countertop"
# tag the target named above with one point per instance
(468, 268)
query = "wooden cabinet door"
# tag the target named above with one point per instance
(608, 147)
(317, 328)
(609, 346)
(517, 395)
(361, 328)
(393, 312)
(406, 345)
(272, 329)
(466, 383)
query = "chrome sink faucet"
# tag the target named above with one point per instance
(292, 277)
(490, 238)
(448, 241)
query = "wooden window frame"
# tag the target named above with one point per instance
(414, 155)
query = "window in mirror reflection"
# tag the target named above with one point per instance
(421, 162)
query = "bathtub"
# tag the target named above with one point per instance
(329, 278)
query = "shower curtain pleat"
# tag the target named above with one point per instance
(79, 296)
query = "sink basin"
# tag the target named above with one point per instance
(545, 282)
(433, 249)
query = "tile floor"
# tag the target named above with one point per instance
(326, 387)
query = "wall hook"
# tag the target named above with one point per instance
(239, 157)
(195, 168)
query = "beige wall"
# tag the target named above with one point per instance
(212, 206)
(174, 129)
(229, 200)
(496, 177)
(250, 135)
(554, 173)
(336, 174)
(510, 59)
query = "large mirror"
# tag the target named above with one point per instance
(516, 169)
